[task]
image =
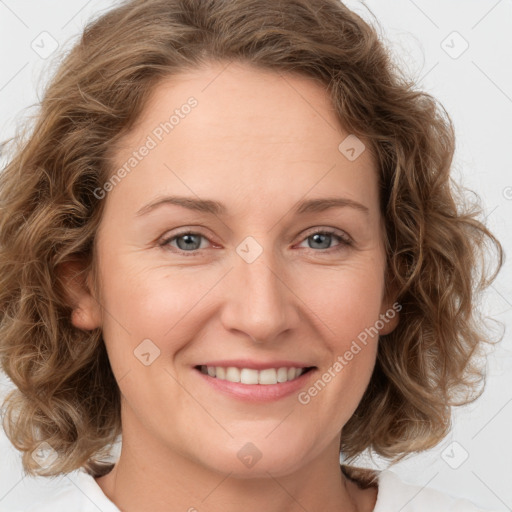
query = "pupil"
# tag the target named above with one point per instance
(326, 236)
(190, 244)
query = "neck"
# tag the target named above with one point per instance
(150, 477)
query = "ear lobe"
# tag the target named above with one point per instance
(390, 312)
(86, 313)
(390, 318)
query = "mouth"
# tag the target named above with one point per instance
(251, 376)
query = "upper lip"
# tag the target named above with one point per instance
(255, 365)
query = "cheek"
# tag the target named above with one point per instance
(147, 324)
(347, 305)
(347, 300)
(167, 308)
(149, 301)
(347, 313)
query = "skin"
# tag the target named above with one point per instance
(259, 142)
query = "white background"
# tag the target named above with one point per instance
(475, 88)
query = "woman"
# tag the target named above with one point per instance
(232, 237)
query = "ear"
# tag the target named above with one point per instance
(78, 288)
(390, 310)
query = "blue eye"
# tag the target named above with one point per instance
(324, 238)
(188, 243)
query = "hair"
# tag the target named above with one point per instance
(65, 393)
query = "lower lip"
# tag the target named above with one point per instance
(256, 392)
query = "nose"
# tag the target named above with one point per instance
(259, 301)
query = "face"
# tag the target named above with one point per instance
(249, 268)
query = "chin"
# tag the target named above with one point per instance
(247, 459)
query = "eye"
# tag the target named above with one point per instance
(187, 242)
(321, 239)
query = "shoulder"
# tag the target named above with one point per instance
(79, 492)
(395, 494)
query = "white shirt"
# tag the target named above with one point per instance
(80, 493)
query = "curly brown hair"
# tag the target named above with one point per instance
(66, 394)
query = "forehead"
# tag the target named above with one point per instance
(252, 132)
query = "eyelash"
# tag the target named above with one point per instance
(344, 240)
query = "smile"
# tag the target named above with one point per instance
(250, 376)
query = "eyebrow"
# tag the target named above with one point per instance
(216, 208)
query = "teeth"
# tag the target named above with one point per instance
(248, 376)
(282, 374)
(232, 374)
(267, 376)
(251, 376)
